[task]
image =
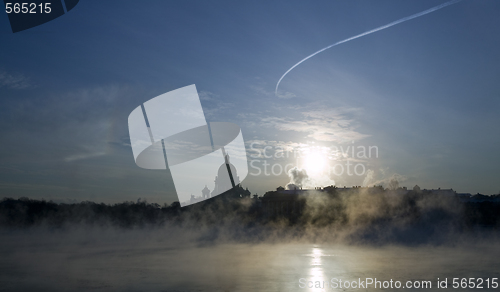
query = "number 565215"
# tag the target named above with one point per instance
(27, 8)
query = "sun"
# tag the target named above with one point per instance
(314, 162)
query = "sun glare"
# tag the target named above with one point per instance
(314, 162)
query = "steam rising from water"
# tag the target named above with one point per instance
(228, 245)
(298, 178)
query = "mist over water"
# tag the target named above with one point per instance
(148, 260)
(232, 245)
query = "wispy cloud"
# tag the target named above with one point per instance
(14, 81)
(213, 104)
(81, 123)
(82, 156)
(329, 125)
(207, 96)
(261, 90)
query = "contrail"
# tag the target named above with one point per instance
(369, 32)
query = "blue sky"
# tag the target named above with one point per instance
(425, 92)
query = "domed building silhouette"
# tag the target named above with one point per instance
(205, 193)
(226, 178)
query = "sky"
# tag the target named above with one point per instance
(424, 94)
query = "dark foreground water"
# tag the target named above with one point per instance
(163, 260)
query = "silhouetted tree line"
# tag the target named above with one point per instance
(26, 212)
(363, 211)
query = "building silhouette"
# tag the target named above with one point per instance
(223, 184)
(205, 193)
(223, 179)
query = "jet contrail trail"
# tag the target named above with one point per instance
(369, 32)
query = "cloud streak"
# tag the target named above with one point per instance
(329, 125)
(14, 81)
(367, 33)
